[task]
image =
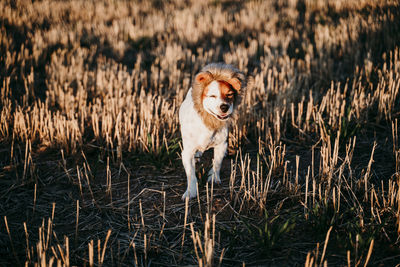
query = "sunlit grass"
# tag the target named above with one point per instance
(90, 143)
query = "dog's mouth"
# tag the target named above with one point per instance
(221, 117)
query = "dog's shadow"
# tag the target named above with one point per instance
(203, 166)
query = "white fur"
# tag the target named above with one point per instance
(197, 138)
(212, 102)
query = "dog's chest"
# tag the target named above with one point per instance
(217, 138)
(194, 132)
(205, 139)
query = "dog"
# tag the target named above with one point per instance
(204, 117)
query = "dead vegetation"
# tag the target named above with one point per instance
(90, 145)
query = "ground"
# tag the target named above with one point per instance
(90, 167)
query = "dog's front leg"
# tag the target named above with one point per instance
(190, 169)
(219, 154)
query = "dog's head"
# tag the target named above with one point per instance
(220, 86)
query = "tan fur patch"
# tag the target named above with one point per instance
(227, 93)
(235, 83)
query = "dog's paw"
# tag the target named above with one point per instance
(213, 177)
(190, 193)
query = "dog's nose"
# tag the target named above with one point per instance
(224, 107)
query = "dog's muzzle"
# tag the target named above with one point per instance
(221, 118)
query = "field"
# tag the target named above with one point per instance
(90, 167)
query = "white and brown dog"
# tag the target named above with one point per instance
(205, 115)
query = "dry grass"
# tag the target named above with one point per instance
(90, 145)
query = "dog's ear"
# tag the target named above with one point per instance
(235, 83)
(204, 77)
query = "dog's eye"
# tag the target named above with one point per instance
(230, 95)
(212, 96)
